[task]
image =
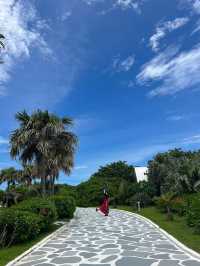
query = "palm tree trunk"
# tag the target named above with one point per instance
(43, 184)
(52, 185)
(8, 186)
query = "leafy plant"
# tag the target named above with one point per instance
(40, 206)
(193, 212)
(18, 226)
(65, 206)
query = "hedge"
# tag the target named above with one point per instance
(65, 206)
(18, 226)
(193, 212)
(43, 207)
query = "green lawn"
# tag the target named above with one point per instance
(8, 254)
(177, 228)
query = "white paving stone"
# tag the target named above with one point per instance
(121, 239)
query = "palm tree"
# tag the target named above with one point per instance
(28, 174)
(44, 140)
(10, 176)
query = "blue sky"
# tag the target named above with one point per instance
(126, 71)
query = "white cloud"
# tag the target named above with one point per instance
(180, 117)
(195, 139)
(125, 4)
(22, 30)
(66, 15)
(163, 29)
(175, 72)
(122, 4)
(194, 4)
(197, 27)
(123, 65)
(176, 118)
(84, 125)
(80, 167)
(3, 141)
(91, 2)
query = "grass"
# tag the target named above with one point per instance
(8, 254)
(177, 228)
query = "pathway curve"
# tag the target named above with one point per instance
(121, 239)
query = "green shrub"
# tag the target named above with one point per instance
(142, 197)
(65, 206)
(2, 194)
(26, 192)
(18, 226)
(193, 212)
(161, 204)
(113, 202)
(40, 206)
(179, 205)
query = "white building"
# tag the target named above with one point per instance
(141, 173)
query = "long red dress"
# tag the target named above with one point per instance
(104, 208)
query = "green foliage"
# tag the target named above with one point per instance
(163, 202)
(43, 140)
(2, 195)
(40, 206)
(175, 171)
(18, 226)
(26, 192)
(115, 170)
(90, 193)
(142, 197)
(116, 177)
(65, 190)
(179, 205)
(10, 176)
(65, 206)
(193, 212)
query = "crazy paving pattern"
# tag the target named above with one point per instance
(121, 239)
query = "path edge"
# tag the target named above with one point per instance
(37, 245)
(188, 250)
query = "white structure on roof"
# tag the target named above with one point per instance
(141, 173)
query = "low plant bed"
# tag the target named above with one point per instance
(10, 253)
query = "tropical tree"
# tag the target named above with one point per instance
(119, 169)
(175, 171)
(10, 176)
(44, 141)
(28, 174)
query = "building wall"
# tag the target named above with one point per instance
(140, 173)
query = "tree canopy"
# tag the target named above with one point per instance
(175, 171)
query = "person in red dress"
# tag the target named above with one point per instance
(104, 208)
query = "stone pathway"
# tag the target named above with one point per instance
(121, 239)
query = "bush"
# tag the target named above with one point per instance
(26, 192)
(43, 207)
(144, 199)
(65, 206)
(18, 226)
(161, 204)
(2, 195)
(193, 212)
(113, 202)
(179, 205)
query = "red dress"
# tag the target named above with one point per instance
(104, 208)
